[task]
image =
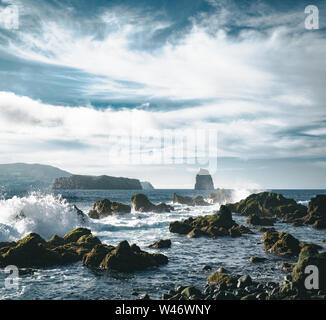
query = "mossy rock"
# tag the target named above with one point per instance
(122, 258)
(88, 240)
(56, 241)
(281, 243)
(75, 234)
(219, 278)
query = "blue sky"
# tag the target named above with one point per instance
(94, 87)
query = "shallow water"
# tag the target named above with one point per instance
(51, 213)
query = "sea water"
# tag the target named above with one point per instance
(49, 213)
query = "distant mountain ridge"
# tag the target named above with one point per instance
(25, 176)
(81, 182)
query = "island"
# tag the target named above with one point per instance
(82, 182)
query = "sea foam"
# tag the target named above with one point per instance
(44, 214)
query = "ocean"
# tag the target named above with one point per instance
(49, 213)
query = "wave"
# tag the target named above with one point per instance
(44, 214)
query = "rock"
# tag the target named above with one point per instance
(217, 278)
(179, 289)
(281, 243)
(219, 224)
(56, 241)
(221, 196)
(244, 281)
(180, 227)
(204, 180)
(288, 267)
(34, 251)
(104, 208)
(161, 244)
(257, 259)
(197, 201)
(94, 258)
(234, 232)
(144, 296)
(249, 297)
(269, 204)
(256, 220)
(80, 213)
(196, 233)
(88, 241)
(191, 292)
(222, 270)
(142, 204)
(123, 258)
(316, 214)
(263, 229)
(206, 268)
(75, 234)
(182, 200)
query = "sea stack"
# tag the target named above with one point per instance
(204, 180)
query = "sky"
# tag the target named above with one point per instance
(156, 90)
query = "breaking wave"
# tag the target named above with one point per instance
(44, 214)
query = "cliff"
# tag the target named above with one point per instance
(204, 181)
(96, 183)
(146, 185)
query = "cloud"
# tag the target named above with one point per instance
(255, 77)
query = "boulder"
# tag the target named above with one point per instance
(180, 227)
(191, 293)
(222, 279)
(257, 259)
(142, 204)
(288, 267)
(197, 201)
(269, 204)
(161, 244)
(244, 281)
(257, 220)
(30, 251)
(122, 258)
(219, 224)
(281, 243)
(316, 215)
(104, 208)
(75, 234)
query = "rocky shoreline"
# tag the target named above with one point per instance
(262, 210)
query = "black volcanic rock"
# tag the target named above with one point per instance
(105, 207)
(204, 181)
(217, 225)
(123, 258)
(79, 182)
(317, 212)
(269, 204)
(142, 204)
(197, 201)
